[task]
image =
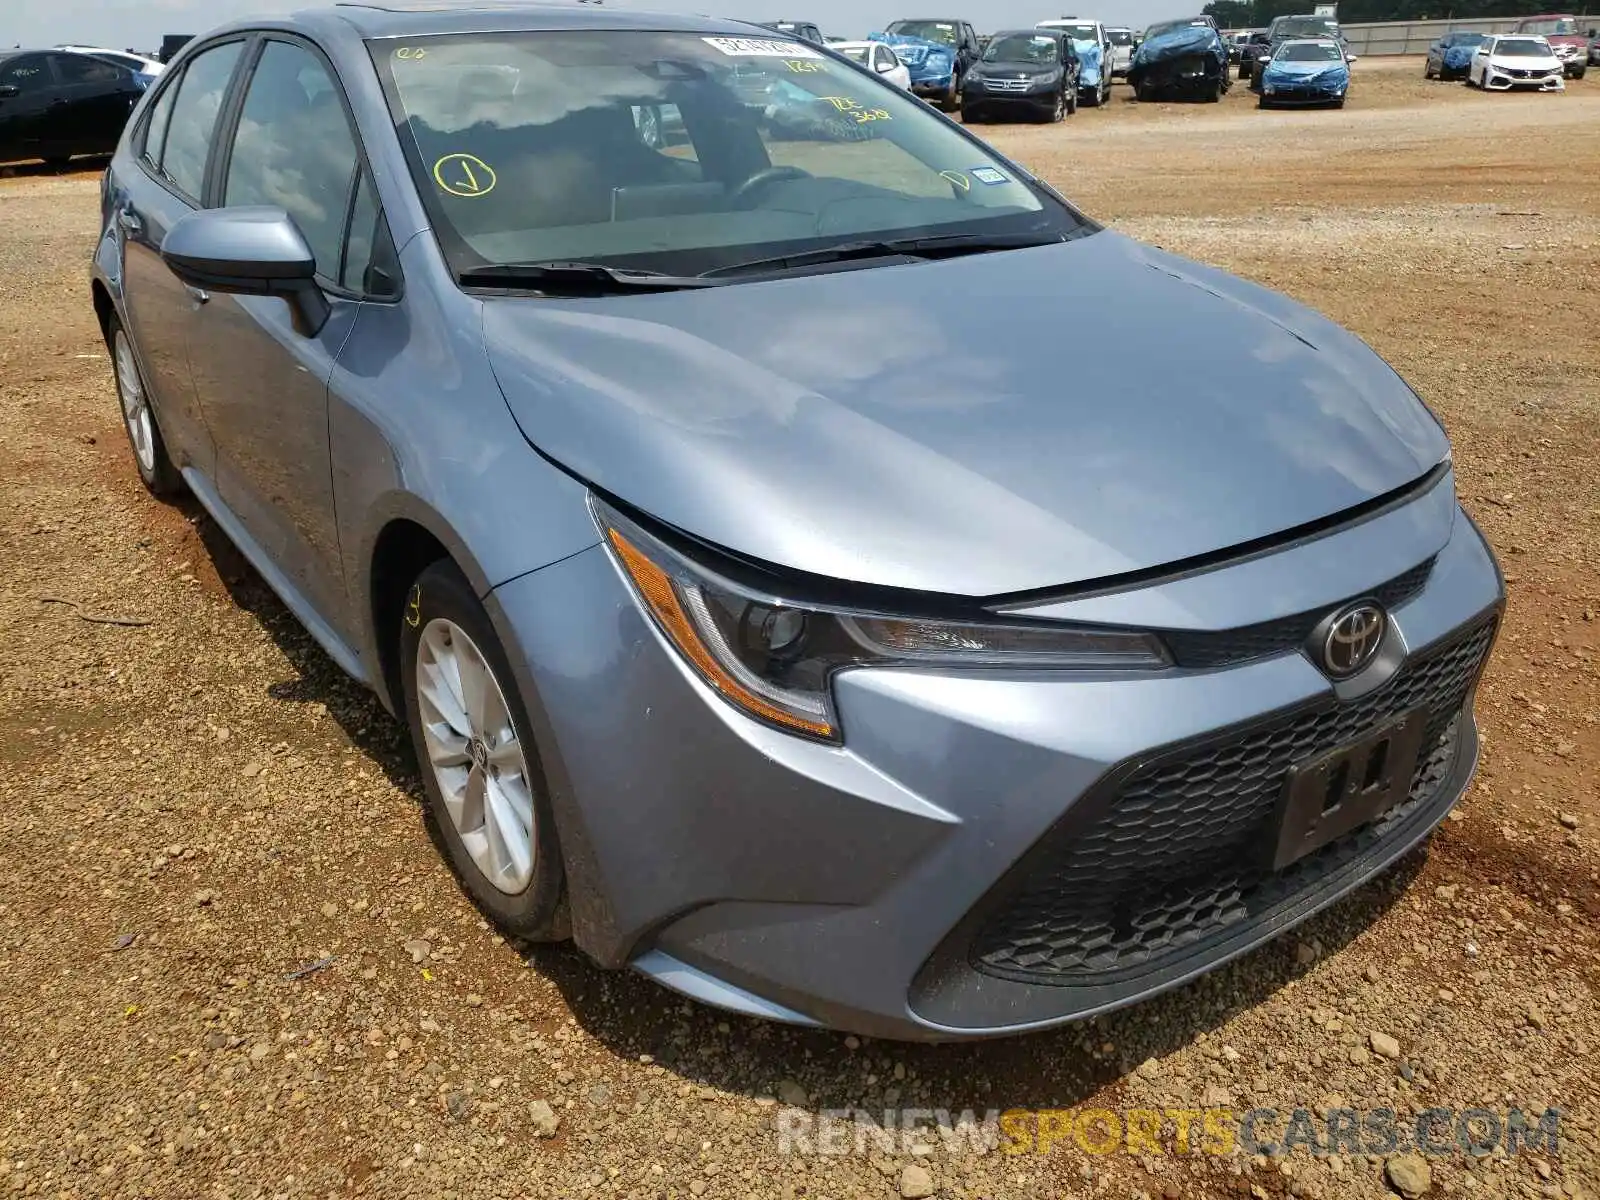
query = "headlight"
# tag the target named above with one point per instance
(774, 659)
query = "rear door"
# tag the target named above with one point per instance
(173, 150)
(26, 89)
(92, 103)
(262, 386)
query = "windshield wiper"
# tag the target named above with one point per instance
(945, 246)
(578, 277)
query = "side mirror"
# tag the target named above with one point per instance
(8, 90)
(884, 66)
(255, 251)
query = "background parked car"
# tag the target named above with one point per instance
(57, 103)
(1516, 62)
(1594, 47)
(1297, 25)
(878, 58)
(1121, 39)
(1185, 58)
(804, 30)
(1561, 31)
(1305, 71)
(938, 51)
(1029, 72)
(122, 58)
(1450, 56)
(1094, 56)
(1257, 43)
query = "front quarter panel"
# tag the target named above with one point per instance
(420, 432)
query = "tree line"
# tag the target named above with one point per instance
(1252, 14)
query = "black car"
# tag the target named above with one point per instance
(55, 103)
(1023, 72)
(1185, 59)
(1251, 47)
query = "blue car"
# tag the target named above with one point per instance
(938, 52)
(1305, 71)
(1450, 56)
(776, 607)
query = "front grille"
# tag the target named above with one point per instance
(1182, 852)
(1007, 85)
(1283, 635)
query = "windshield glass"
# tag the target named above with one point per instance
(1309, 52)
(1078, 33)
(932, 31)
(1464, 39)
(1306, 27)
(680, 153)
(1521, 48)
(1120, 37)
(1023, 47)
(858, 53)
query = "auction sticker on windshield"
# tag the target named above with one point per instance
(990, 176)
(759, 48)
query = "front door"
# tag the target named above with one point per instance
(262, 386)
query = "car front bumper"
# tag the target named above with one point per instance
(1293, 93)
(988, 852)
(1498, 80)
(934, 87)
(981, 103)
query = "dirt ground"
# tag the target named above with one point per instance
(197, 805)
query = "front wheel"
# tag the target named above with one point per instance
(485, 799)
(1579, 74)
(1058, 111)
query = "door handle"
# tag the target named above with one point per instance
(198, 295)
(130, 220)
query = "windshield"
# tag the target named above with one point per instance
(1169, 26)
(1521, 48)
(1078, 33)
(1120, 37)
(679, 153)
(1552, 25)
(1309, 52)
(931, 31)
(1464, 39)
(857, 53)
(1023, 47)
(1305, 26)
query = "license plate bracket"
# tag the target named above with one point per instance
(1330, 795)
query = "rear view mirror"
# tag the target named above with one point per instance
(255, 251)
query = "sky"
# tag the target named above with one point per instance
(140, 23)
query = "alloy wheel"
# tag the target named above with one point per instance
(135, 405)
(476, 756)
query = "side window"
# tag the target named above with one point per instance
(371, 266)
(26, 74)
(80, 68)
(155, 129)
(294, 149)
(194, 117)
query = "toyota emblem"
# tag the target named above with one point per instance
(1353, 637)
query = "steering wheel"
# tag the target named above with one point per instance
(765, 177)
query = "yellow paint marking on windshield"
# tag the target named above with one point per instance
(957, 179)
(854, 108)
(801, 67)
(411, 53)
(464, 175)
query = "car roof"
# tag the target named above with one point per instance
(1034, 31)
(412, 18)
(1313, 41)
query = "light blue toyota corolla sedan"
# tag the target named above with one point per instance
(780, 603)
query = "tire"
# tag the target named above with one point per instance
(968, 116)
(150, 458)
(1579, 74)
(1214, 93)
(1072, 100)
(1427, 72)
(443, 624)
(1261, 102)
(1339, 103)
(650, 127)
(1058, 111)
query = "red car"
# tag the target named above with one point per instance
(1561, 31)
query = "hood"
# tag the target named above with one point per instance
(1282, 69)
(1175, 43)
(976, 426)
(1007, 66)
(915, 49)
(1566, 39)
